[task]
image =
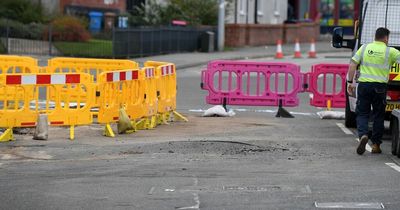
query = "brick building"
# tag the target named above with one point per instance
(82, 7)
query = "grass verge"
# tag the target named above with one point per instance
(93, 48)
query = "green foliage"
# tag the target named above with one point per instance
(23, 31)
(68, 28)
(204, 12)
(195, 12)
(24, 11)
(2, 48)
(92, 49)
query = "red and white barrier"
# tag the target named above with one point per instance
(42, 79)
(122, 76)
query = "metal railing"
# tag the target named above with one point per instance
(118, 43)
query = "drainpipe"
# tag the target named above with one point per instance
(247, 11)
(256, 11)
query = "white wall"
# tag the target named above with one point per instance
(268, 11)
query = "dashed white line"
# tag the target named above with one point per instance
(344, 129)
(394, 166)
(151, 190)
(308, 189)
(367, 147)
(196, 200)
(196, 197)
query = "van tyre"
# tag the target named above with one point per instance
(350, 117)
(394, 129)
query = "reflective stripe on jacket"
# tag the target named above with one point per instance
(375, 60)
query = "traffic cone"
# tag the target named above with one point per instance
(312, 53)
(297, 51)
(279, 53)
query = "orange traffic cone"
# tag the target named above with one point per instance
(312, 53)
(297, 51)
(279, 53)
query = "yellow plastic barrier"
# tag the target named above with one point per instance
(150, 102)
(10, 64)
(68, 90)
(166, 90)
(91, 66)
(34, 94)
(17, 64)
(120, 89)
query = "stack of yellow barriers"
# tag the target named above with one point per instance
(78, 91)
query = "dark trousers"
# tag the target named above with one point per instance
(371, 94)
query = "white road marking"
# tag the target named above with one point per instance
(196, 200)
(367, 147)
(151, 191)
(308, 189)
(394, 166)
(349, 205)
(257, 110)
(169, 190)
(196, 197)
(344, 129)
(7, 157)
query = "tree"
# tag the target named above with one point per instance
(22, 10)
(195, 12)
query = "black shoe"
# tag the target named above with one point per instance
(363, 143)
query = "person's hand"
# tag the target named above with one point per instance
(350, 88)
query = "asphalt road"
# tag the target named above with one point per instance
(250, 161)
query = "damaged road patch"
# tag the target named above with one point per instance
(205, 147)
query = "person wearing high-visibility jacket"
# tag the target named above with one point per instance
(375, 60)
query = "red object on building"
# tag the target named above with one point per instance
(179, 22)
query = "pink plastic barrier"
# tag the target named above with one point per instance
(328, 82)
(252, 83)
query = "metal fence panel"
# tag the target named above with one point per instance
(154, 41)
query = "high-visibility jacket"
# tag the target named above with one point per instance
(375, 61)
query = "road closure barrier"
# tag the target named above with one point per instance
(166, 91)
(252, 83)
(273, 84)
(34, 94)
(91, 66)
(119, 89)
(327, 85)
(72, 92)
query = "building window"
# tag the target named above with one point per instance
(242, 7)
(260, 8)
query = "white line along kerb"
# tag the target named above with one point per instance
(394, 166)
(344, 129)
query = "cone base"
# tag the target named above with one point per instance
(279, 56)
(297, 55)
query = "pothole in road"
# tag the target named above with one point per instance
(205, 147)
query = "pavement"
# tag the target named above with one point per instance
(192, 59)
(251, 161)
